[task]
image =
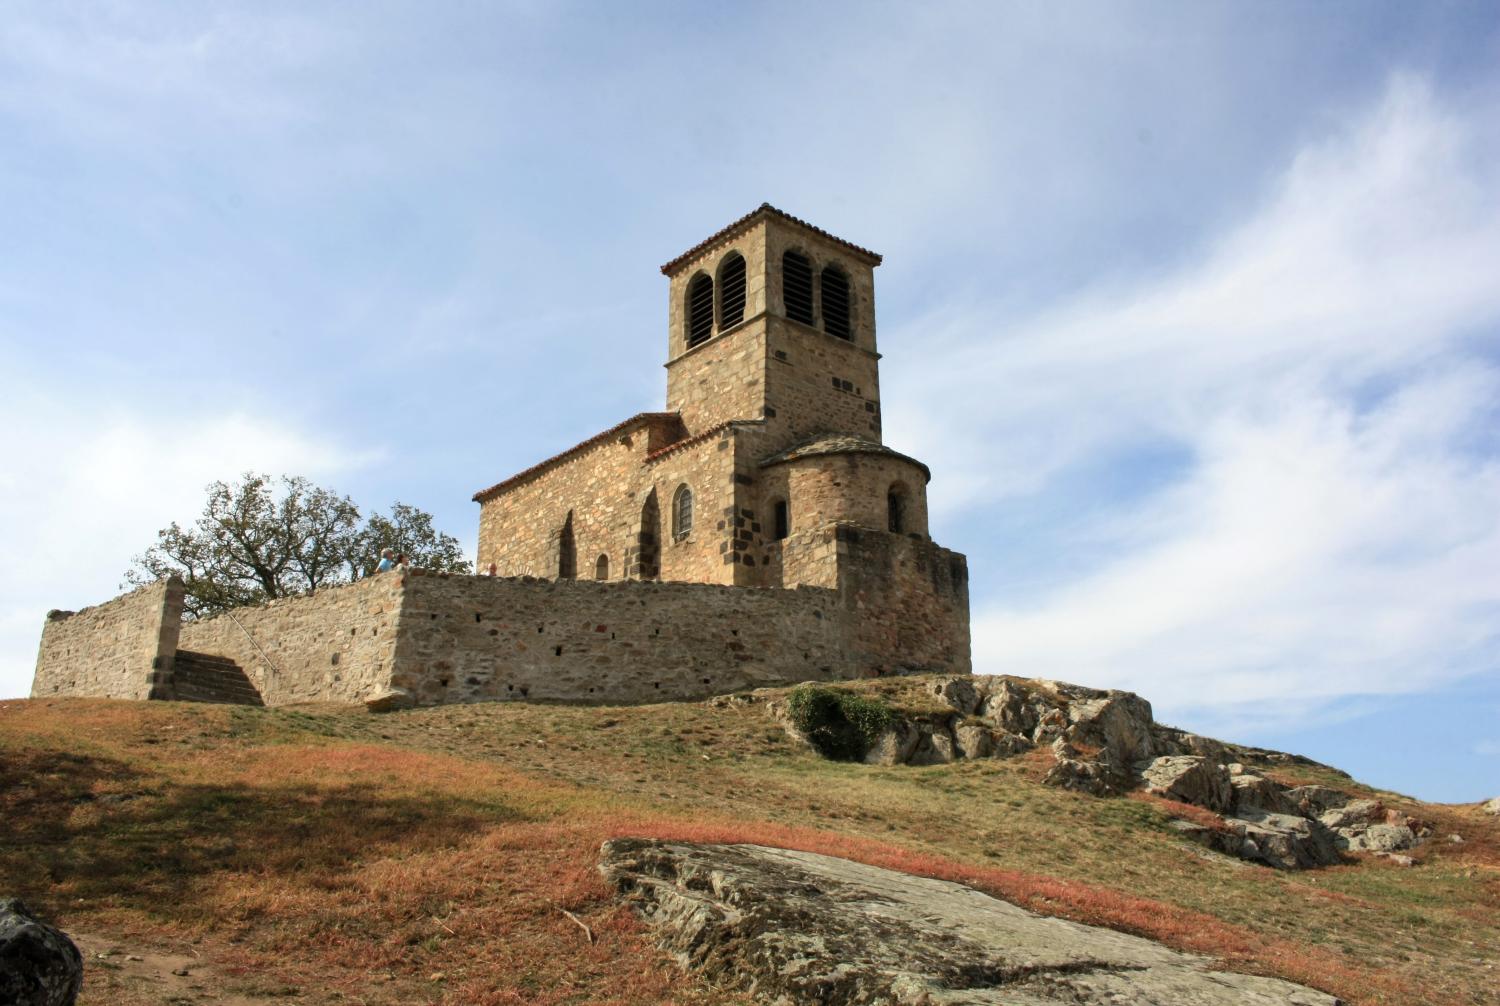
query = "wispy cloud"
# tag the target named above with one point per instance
(1324, 370)
(90, 484)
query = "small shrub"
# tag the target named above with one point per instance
(840, 724)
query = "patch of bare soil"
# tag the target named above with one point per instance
(124, 973)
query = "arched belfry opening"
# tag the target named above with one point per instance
(797, 286)
(567, 551)
(643, 559)
(731, 291)
(834, 286)
(700, 310)
(601, 568)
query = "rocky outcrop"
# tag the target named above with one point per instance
(796, 928)
(1106, 742)
(1493, 806)
(39, 965)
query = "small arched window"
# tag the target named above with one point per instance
(682, 513)
(895, 508)
(731, 291)
(601, 568)
(797, 286)
(835, 290)
(781, 523)
(700, 309)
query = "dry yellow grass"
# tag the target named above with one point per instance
(329, 856)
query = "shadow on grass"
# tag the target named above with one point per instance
(99, 830)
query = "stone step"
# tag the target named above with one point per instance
(207, 677)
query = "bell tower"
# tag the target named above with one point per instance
(772, 320)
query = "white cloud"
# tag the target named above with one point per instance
(1336, 532)
(84, 488)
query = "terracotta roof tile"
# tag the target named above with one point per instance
(639, 419)
(744, 222)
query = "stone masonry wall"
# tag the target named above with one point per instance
(606, 489)
(817, 383)
(722, 379)
(121, 649)
(333, 646)
(909, 600)
(467, 639)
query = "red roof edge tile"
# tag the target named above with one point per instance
(639, 419)
(743, 224)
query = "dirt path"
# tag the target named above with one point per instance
(122, 973)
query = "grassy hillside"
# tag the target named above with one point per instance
(326, 855)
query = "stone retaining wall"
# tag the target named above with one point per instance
(466, 639)
(121, 649)
(333, 646)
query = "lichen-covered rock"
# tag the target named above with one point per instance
(1355, 812)
(960, 693)
(971, 740)
(1378, 837)
(795, 928)
(1118, 724)
(1285, 841)
(1008, 706)
(1009, 744)
(39, 965)
(1252, 792)
(1315, 801)
(893, 747)
(934, 747)
(1081, 776)
(1189, 779)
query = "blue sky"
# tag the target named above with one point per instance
(1194, 309)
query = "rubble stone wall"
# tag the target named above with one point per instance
(469, 639)
(121, 649)
(333, 646)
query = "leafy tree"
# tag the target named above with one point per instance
(258, 539)
(409, 531)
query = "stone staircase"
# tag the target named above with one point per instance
(203, 677)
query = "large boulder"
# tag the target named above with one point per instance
(934, 746)
(795, 928)
(893, 747)
(1285, 841)
(1493, 806)
(1117, 724)
(1189, 779)
(1252, 792)
(39, 965)
(1008, 706)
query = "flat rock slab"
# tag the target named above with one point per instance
(797, 928)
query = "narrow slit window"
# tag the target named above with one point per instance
(700, 310)
(895, 508)
(731, 291)
(797, 287)
(836, 303)
(781, 517)
(567, 551)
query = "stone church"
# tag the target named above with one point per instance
(771, 433)
(757, 532)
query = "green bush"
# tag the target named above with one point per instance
(840, 724)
